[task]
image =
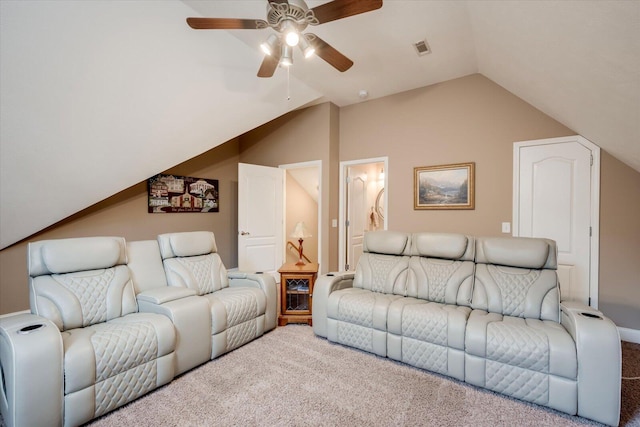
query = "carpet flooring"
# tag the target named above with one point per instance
(289, 377)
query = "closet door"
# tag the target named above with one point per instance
(556, 195)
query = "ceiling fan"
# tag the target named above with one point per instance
(289, 18)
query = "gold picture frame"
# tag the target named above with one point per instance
(444, 186)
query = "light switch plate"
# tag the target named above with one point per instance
(506, 227)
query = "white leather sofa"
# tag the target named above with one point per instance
(486, 311)
(108, 323)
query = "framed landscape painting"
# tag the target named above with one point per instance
(444, 186)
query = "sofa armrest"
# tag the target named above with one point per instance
(164, 294)
(323, 287)
(599, 361)
(267, 284)
(191, 317)
(31, 362)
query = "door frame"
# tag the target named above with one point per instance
(595, 201)
(311, 163)
(342, 209)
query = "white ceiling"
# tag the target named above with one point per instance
(577, 61)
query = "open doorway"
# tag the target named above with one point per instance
(303, 204)
(363, 206)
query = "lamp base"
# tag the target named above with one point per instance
(300, 260)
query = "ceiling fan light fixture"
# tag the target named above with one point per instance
(269, 45)
(287, 56)
(290, 31)
(306, 48)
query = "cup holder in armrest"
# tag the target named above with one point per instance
(591, 315)
(31, 328)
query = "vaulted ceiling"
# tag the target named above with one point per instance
(97, 96)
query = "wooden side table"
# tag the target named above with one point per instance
(296, 288)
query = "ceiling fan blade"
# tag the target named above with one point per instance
(329, 54)
(339, 9)
(269, 65)
(226, 24)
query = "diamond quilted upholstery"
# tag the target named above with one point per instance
(425, 355)
(120, 347)
(517, 277)
(517, 292)
(96, 353)
(439, 280)
(515, 345)
(382, 273)
(232, 306)
(242, 333)
(84, 298)
(518, 382)
(357, 314)
(536, 345)
(115, 391)
(360, 307)
(203, 273)
(428, 335)
(529, 359)
(356, 336)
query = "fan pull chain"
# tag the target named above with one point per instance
(288, 85)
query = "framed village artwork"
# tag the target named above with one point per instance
(444, 186)
(171, 194)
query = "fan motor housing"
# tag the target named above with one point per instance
(295, 10)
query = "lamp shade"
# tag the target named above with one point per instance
(300, 231)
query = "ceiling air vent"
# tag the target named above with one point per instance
(422, 47)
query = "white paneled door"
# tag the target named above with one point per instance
(260, 217)
(556, 195)
(356, 214)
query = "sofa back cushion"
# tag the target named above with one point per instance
(81, 281)
(516, 276)
(384, 263)
(145, 264)
(191, 261)
(441, 268)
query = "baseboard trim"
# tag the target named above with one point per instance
(631, 335)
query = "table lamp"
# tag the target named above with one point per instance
(300, 232)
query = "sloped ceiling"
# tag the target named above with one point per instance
(97, 96)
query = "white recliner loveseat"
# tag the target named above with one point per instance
(486, 311)
(106, 327)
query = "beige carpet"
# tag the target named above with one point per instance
(289, 377)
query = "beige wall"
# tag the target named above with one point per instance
(468, 119)
(125, 214)
(619, 242)
(465, 120)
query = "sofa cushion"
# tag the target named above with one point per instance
(358, 318)
(84, 298)
(443, 245)
(529, 359)
(428, 335)
(521, 252)
(78, 254)
(387, 242)
(203, 273)
(527, 289)
(187, 244)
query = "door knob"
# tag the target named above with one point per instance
(244, 233)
